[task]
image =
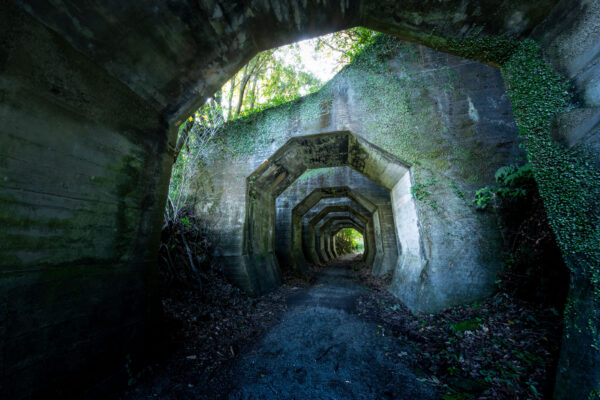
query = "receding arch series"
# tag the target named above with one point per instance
(91, 98)
(326, 150)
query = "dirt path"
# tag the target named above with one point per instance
(322, 349)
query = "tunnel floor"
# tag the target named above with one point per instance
(342, 335)
(322, 349)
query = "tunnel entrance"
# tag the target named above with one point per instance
(327, 150)
(347, 241)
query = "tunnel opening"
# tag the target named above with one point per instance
(130, 181)
(271, 243)
(347, 241)
(290, 162)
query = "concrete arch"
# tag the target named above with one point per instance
(323, 227)
(324, 244)
(332, 235)
(337, 192)
(325, 250)
(219, 37)
(324, 203)
(310, 227)
(297, 155)
(319, 223)
(328, 235)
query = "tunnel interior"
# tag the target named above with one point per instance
(91, 101)
(314, 216)
(348, 241)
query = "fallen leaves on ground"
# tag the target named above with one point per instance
(500, 348)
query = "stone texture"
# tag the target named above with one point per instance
(454, 130)
(91, 96)
(83, 174)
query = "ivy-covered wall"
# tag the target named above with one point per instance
(555, 117)
(448, 118)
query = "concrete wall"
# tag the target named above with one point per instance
(82, 176)
(83, 88)
(446, 117)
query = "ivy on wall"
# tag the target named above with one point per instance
(568, 182)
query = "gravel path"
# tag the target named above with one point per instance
(322, 349)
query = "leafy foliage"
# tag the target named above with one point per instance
(513, 182)
(348, 241)
(277, 76)
(347, 44)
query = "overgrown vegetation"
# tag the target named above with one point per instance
(278, 76)
(349, 241)
(535, 270)
(502, 348)
(272, 78)
(568, 182)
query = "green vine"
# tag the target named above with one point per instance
(419, 190)
(568, 182)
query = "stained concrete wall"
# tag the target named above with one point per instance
(81, 182)
(170, 56)
(447, 117)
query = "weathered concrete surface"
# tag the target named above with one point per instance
(571, 40)
(174, 55)
(83, 174)
(108, 72)
(448, 118)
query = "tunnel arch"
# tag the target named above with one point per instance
(317, 226)
(331, 224)
(139, 64)
(332, 235)
(322, 230)
(304, 206)
(372, 236)
(220, 37)
(323, 150)
(324, 245)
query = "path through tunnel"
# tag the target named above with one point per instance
(92, 99)
(347, 240)
(312, 221)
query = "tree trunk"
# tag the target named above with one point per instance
(243, 84)
(231, 90)
(253, 92)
